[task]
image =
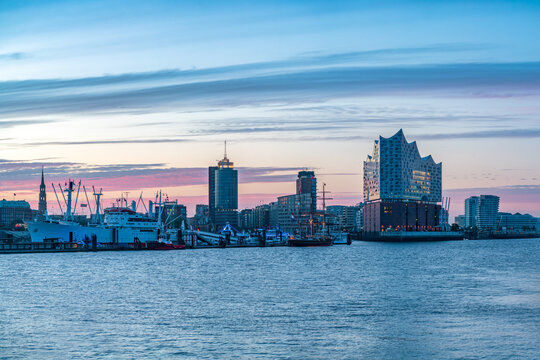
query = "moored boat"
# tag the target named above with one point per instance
(160, 245)
(311, 241)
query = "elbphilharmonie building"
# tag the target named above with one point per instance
(401, 188)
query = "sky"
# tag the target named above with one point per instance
(135, 96)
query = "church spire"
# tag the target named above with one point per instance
(42, 205)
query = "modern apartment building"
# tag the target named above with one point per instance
(488, 212)
(471, 211)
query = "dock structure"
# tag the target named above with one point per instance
(413, 236)
(191, 239)
(201, 239)
(49, 247)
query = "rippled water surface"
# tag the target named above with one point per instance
(463, 299)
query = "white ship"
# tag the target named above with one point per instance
(119, 225)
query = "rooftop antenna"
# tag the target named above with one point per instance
(225, 149)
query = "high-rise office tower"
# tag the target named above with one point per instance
(223, 193)
(306, 183)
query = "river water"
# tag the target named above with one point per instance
(461, 299)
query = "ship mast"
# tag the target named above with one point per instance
(69, 190)
(324, 198)
(98, 202)
(160, 210)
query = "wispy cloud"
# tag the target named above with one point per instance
(4, 124)
(503, 133)
(305, 60)
(109, 141)
(25, 175)
(13, 56)
(296, 133)
(298, 81)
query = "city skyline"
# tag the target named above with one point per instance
(258, 199)
(136, 98)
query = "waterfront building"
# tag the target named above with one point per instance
(15, 210)
(201, 220)
(245, 219)
(273, 216)
(212, 193)
(347, 219)
(471, 211)
(516, 222)
(335, 210)
(294, 211)
(261, 216)
(172, 214)
(223, 193)
(488, 212)
(401, 189)
(201, 211)
(42, 205)
(460, 220)
(306, 183)
(359, 224)
(345, 216)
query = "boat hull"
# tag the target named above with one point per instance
(42, 231)
(310, 242)
(157, 245)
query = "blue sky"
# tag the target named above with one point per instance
(159, 85)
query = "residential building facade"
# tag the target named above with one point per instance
(488, 212)
(471, 211)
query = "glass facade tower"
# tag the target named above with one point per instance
(223, 193)
(401, 188)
